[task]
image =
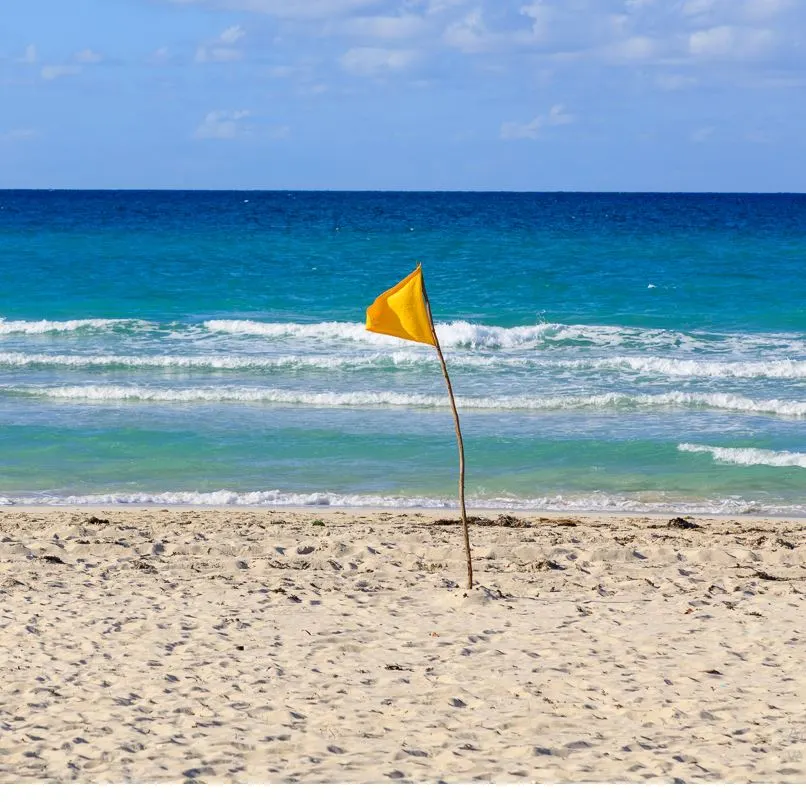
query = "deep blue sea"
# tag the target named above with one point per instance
(616, 352)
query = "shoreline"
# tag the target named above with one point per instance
(442, 512)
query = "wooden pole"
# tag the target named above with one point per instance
(458, 441)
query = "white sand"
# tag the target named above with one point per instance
(255, 646)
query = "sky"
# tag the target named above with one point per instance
(514, 95)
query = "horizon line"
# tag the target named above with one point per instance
(417, 191)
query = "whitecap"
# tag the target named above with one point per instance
(110, 392)
(748, 456)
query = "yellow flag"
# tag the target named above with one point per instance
(401, 311)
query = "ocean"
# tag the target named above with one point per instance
(609, 352)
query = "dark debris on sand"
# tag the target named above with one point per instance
(682, 523)
(509, 521)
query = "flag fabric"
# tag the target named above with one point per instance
(402, 311)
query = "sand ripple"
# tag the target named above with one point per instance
(260, 646)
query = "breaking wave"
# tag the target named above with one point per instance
(696, 368)
(749, 456)
(462, 334)
(716, 401)
(458, 334)
(211, 362)
(56, 326)
(591, 503)
(682, 368)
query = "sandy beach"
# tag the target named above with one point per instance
(219, 646)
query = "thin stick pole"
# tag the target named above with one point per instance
(458, 440)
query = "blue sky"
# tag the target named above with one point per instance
(666, 95)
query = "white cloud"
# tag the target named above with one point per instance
(764, 9)
(383, 33)
(694, 8)
(88, 57)
(636, 48)
(278, 132)
(552, 29)
(541, 15)
(284, 71)
(230, 125)
(217, 54)
(723, 11)
(19, 135)
(530, 130)
(702, 134)
(287, 9)
(162, 55)
(402, 27)
(468, 34)
(52, 71)
(557, 116)
(727, 41)
(434, 7)
(29, 56)
(368, 61)
(231, 35)
(712, 42)
(621, 25)
(220, 50)
(223, 125)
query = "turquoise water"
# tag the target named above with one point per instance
(616, 352)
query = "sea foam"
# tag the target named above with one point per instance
(694, 368)
(458, 334)
(649, 365)
(595, 502)
(473, 336)
(56, 326)
(749, 456)
(110, 392)
(211, 362)
(682, 368)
